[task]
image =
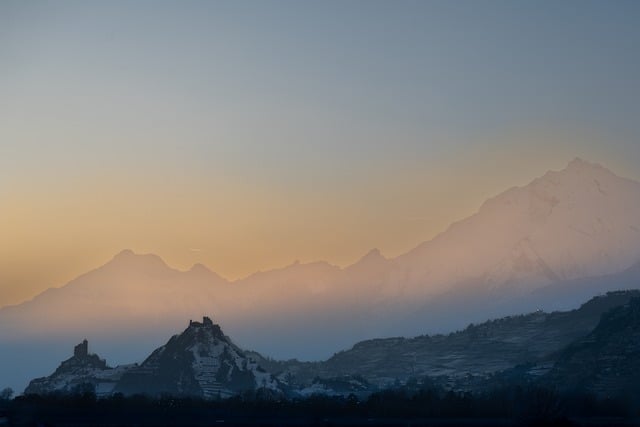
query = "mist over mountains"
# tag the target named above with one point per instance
(551, 244)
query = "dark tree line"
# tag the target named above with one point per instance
(514, 405)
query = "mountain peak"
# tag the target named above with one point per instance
(373, 254)
(127, 257)
(578, 161)
(199, 268)
(74, 373)
(124, 254)
(372, 258)
(205, 330)
(579, 164)
(206, 323)
(202, 362)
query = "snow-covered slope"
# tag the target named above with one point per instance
(579, 222)
(202, 362)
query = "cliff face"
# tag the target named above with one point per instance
(201, 362)
(82, 372)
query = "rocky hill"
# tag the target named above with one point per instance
(82, 372)
(595, 347)
(201, 362)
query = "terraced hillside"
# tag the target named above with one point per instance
(479, 350)
(606, 361)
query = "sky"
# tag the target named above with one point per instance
(247, 135)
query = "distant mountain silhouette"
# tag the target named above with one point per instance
(525, 246)
(578, 222)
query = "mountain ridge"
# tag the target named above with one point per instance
(577, 166)
(538, 346)
(566, 225)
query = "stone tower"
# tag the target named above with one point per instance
(81, 350)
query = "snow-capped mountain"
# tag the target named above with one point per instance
(201, 362)
(129, 290)
(579, 222)
(568, 225)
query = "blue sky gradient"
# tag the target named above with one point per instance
(376, 109)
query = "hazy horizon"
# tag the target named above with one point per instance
(245, 136)
(182, 268)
